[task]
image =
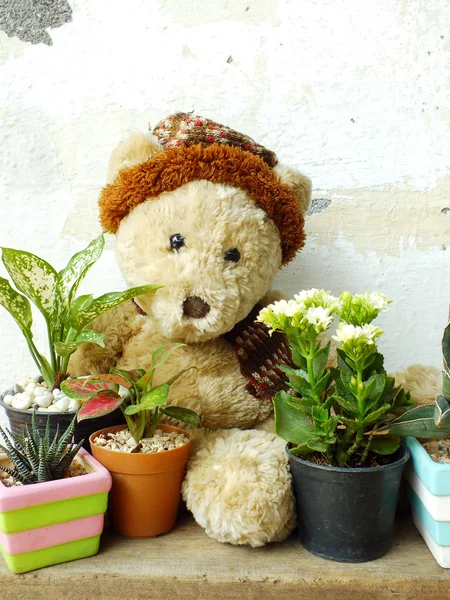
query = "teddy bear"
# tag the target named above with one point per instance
(210, 215)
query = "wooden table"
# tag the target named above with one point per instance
(186, 564)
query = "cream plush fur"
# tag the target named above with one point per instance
(238, 485)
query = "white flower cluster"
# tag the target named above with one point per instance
(378, 301)
(360, 336)
(309, 310)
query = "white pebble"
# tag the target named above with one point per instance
(22, 401)
(37, 379)
(30, 387)
(8, 399)
(62, 403)
(74, 405)
(52, 408)
(132, 442)
(45, 400)
(40, 391)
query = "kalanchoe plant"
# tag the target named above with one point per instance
(143, 405)
(54, 294)
(354, 410)
(36, 458)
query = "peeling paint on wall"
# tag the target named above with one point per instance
(30, 19)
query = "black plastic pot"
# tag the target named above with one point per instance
(347, 515)
(18, 418)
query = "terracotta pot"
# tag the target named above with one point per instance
(146, 488)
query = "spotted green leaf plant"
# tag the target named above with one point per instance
(142, 403)
(36, 458)
(67, 316)
(352, 411)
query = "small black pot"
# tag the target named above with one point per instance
(345, 514)
(18, 418)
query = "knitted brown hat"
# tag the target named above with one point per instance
(192, 148)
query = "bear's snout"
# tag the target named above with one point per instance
(195, 307)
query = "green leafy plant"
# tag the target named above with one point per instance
(143, 405)
(67, 316)
(36, 459)
(352, 411)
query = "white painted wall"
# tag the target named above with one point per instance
(353, 92)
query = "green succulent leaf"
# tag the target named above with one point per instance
(374, 416)
(385, 445)
(322, 384)
(343, 361)
(320, 361)
(87, 336)
(81, 318)
(351, 407)
(17, 305)
(298, 378)
(155, 397)
(417, 422)
(185, 415)
(373, 390)
(77, 268)
(36, 278)
(290, 424)
(442, 412)
(446, 384)
(446, 347)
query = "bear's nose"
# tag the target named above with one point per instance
(195, 307)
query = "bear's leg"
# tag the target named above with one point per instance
(238, 487)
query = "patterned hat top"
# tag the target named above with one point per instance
(182, 129)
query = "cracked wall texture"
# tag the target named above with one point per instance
(30, 19)
(354, 93)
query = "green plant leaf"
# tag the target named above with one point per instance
(351, 407)
(386, 445)
(446, 384)
(343, 361)
(81, 318)
(374, 390)
(124, 378)
(375, 363)
(446, 347)
(155, 397)
(319, 415)
(298, 378)
(290, 424)
(101, 404)
(376, 414)
(442, 412)
(17, 305)
(82, 389)
(78, 266)
(87, 336)
(322, 384)
(35, 278)
(320, 361)
(185, 415)
(160, 355)
(417, 422)
(303, 404)
(317, 445)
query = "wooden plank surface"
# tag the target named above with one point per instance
(186, 564)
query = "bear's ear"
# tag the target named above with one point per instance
(133, 150)
(299, 184)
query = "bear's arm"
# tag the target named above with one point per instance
(119, 325)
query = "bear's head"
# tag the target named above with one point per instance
(206, 212)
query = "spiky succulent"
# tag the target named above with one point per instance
(34, 457)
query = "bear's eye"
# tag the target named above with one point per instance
(177, 241)
(232, 255)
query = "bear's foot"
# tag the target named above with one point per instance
(238, 487)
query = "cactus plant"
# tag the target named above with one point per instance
(36, 459)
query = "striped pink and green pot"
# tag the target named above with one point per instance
(49, 523)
